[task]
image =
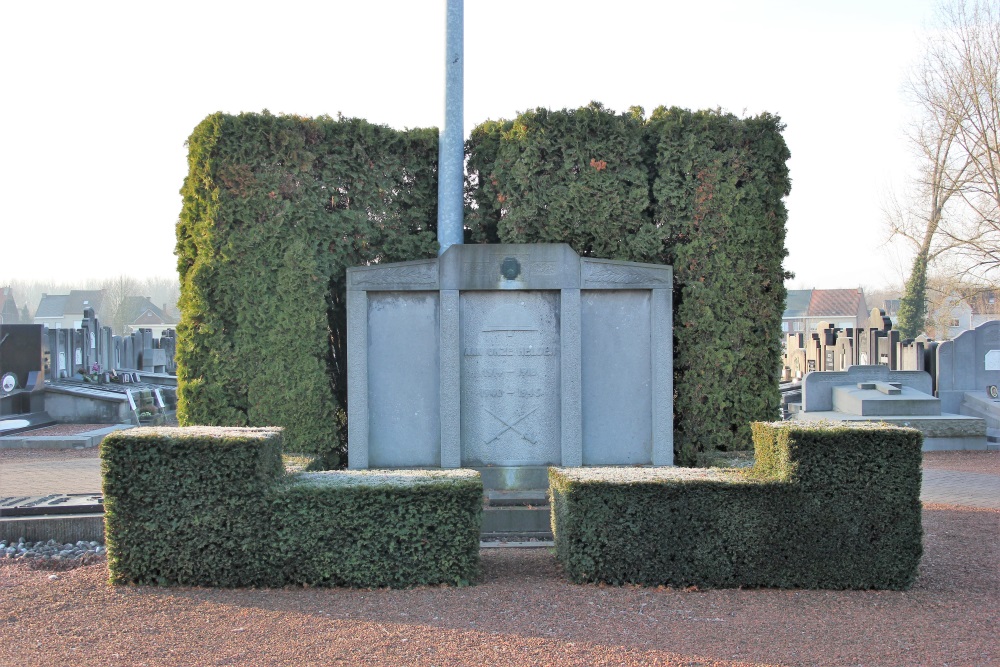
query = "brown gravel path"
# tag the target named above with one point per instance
(522, 613)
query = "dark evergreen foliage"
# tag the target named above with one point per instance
(913, 305)
(824, 507)
(213, 507)
(699, 190)
(189, 509)
(275, 210)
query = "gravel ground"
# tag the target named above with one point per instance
(988, 462)
(524, 613)
(65, 429)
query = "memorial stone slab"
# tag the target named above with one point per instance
(510, 356)
(817, 388)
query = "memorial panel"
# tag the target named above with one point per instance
(510, 369)
(617, 377)
(403, 409)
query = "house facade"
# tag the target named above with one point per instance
(142, 313)
(65, 311)
(805, 309)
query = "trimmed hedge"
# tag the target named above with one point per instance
(375, 528)
(189, 506)
(717, 199)
(701, 191)
(213, 507)
(276, 208)
(835, 507)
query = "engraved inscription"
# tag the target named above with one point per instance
(510, 378)
(621, 275)
(424, 274)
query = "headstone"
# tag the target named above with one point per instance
(21, 362)
(817, 388)
(968, 363)
(875, 393)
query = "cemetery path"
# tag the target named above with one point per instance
(524, 613)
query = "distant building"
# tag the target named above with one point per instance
(954, 314)
(843, 308)
(65, 311)
(891, 309)
(8, 309)
(142, 313)
(985, 308)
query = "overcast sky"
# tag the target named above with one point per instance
(99, 98)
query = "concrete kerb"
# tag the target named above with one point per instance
(76, 441)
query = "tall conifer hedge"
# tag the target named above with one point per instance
(699, 190)
(275, 210)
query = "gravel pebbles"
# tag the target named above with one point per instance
(53, 555)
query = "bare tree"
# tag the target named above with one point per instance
(116, 307)
(953, 211)
(164, 292)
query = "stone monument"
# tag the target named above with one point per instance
(22, 382)
(505, 357)
(968, 375)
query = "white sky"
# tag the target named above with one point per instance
(99, 98)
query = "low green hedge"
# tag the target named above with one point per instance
(375, 528)
(189, 505)
(205, 506)
(823, 507)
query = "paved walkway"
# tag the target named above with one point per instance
(972, 489)
(40, 477)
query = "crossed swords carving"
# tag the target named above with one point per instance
(512, 426)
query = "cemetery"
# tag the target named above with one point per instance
(546, 378)
(84, 375)
(545, 350)
(544, 369)
(941, 388)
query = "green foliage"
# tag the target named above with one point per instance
(213, 507)
(913, 305)
(275, 210)
(572, 176)
(718, 202)
(824, 507)
(378, 536)
(189, 506)
(699, 190)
